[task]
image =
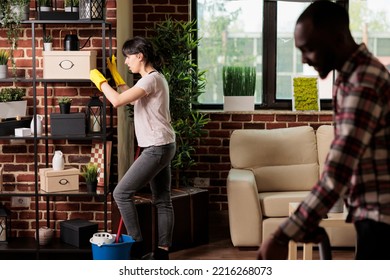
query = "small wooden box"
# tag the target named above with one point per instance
(59, 181)
(68, 64)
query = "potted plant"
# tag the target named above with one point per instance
(4, 56)
(47, 43)
(175, 41)
(90, 172)
(12, 104)
(15, 11)
(71, 5)
(45, 5)
(239, 88)
(65, 103)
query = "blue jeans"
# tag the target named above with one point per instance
(152, 166)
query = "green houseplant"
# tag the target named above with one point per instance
(4, 56)
(15, 11)
(239, 83)
(12, 103)
(71, 5)
(90, 172)
(175, 41)
(65, 103)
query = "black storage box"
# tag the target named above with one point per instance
(7, 127)
(72, 124)
(77, 232)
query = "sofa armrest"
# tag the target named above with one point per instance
(245, 216)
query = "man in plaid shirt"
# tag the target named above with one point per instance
(358, 164)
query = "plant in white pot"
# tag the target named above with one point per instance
(45, 5)
(4, 56)
(12, 104)
(71, 5)
(14, 12)
(239, 85)
(48, 43)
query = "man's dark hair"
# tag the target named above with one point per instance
(325, 14)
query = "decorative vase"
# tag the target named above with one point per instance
(91, 187)
(58, 161)
(45, 235)
(39, 125)
(3, 71)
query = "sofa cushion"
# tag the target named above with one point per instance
(275, 204)
(325, 136)
(253, 148)
(298, 177)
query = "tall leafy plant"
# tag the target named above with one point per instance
(175, 41)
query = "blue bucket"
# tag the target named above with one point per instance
(113, 251)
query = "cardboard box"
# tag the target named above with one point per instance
(59, 181)
(68, 64)
(77, 232)
(72, 124)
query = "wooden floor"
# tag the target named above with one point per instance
(221, 248)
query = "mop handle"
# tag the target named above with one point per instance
(118, 234)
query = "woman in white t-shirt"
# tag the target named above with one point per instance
(155, 135)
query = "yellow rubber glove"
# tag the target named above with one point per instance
(111, 65)
(97, 78)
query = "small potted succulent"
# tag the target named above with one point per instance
(65, 103)
(90, 172)
(48, 43)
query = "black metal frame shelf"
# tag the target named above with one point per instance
(31, 245)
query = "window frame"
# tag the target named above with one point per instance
(269, 100)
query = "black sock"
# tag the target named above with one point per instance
(158, 254)
(137, 250)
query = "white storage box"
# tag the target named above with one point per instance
(23, 131)
(59, 181)
(68, 64)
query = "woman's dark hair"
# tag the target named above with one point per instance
(141, 45)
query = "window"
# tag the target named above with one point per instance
(370, 23)
(254, 33)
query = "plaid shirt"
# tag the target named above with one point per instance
(358, 164)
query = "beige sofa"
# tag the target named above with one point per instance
(271, 168)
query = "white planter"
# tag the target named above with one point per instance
(69, 9)
(239, 103)
(3, 71)
(13, 109)
(22, 12)
(45, 9)
(47, 47)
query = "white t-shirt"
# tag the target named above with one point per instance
(152, 119)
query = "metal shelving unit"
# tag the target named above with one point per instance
(30, 246)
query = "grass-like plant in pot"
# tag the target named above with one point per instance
(4, 56)
(239, 81)
(65, 103)
(90, 172)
